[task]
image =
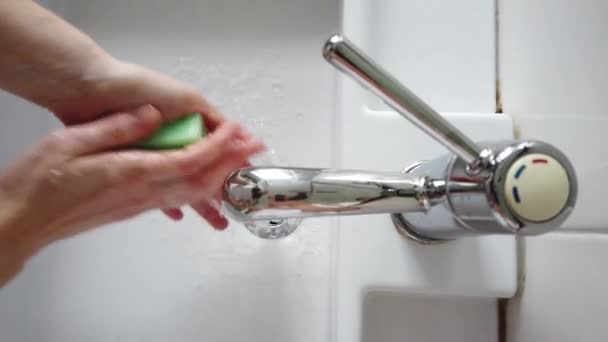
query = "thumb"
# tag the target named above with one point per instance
(171, 97)
(112, 131)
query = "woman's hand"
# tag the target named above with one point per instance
(79, 178)
(47, 61)
(114, 86)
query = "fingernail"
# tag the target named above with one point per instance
(146, 113)
(221, 224)
(254, 140)
(258, 145)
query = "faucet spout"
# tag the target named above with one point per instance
(266, 193)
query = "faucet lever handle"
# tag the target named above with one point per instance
(349, 59)
(518, 187)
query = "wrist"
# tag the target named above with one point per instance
(20, 238)
(80, 86)
(13, 250)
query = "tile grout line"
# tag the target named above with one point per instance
(335, 132)
(502, 304)
(497, 86)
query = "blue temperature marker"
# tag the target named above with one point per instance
(519, 171)
(516, 194)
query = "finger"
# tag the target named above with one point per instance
(210, 214)
(204, 192)
(175, 214)
(114, 168)
(212, 179)
(112, 131)
(212, 117)
(209, 209)
(205, 186)
(226, 141)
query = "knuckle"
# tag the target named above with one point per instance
(206, 185)
(191, 97)
(54, 179)
(161, 198)
(169, 201)
(186, 163)
(145, 167)
(186, 100)
(117, 169)
(109, 174)
(131, 168)
(199, 181)
(120, 132)
(55, 141)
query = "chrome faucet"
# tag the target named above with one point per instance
(506, 187)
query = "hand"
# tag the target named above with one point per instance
(74, 77)
(112, 86)
(78, 178)
(115, 86)
(80, 81)
(108, 85)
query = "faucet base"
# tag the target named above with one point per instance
(404, 227)
(407, 230)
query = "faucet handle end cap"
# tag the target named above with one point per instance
(537, 187)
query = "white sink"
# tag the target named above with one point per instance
(344, 279)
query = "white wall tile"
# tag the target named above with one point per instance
(553, 67)
(553, 56)
(563, 298)
(442, 50)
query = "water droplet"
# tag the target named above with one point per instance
(273, 229)
(255, 96)
(277, 87)
(299, 115)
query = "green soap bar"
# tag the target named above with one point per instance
(176, 134)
